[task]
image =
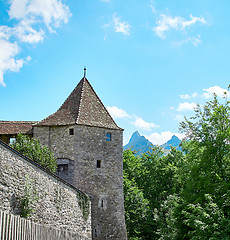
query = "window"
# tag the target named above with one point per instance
(62, 168)
(98, 163)
(102, 203)
(108, 137)
(71, 131)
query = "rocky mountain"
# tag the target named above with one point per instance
(174, 142)
(138, 143)
(142, 145)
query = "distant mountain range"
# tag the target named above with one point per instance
(142, 145)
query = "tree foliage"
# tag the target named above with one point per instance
(32, 149)
(188, 192)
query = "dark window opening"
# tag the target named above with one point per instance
(108, 137)
(102, 203)
(98, 163)
(62, 168)
(95, 232)
(71, 131)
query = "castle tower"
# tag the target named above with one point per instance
(88, 146)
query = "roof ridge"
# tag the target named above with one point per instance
(102, 103)
(80, 104)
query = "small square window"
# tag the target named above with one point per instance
(108, 137)
(98, 163)
(71, 131)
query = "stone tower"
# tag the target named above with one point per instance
(88, 146)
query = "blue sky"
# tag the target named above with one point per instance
(150, 62)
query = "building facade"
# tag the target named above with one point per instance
(88, 146)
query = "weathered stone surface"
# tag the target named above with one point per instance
(57, 204)
(105, 184)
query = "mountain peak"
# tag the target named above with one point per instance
(142, 145)
(138, 143)
(136, 134)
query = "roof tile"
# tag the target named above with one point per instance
(82, 107)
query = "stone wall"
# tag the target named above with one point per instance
(57, 204)
(104, 183)
(61, 143)
(84, 149)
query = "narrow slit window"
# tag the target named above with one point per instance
(108, 137)
(102, 204)
(98, 163)
(71, 131)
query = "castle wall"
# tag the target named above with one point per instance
(61, 143)
(104, 184)
(57, 204)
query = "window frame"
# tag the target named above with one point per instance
(108, 137)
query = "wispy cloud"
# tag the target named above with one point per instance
(167, 23)
(188, 96)
(116, 112)
(31, 18)
(186, 106)
(142, 124)
(122, 27)
(194, 40)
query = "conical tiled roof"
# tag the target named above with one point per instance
(82, 107)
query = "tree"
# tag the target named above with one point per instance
(188, 192)
(137, 211)
(208, 152)
(148, 180)
(32, 149)
(201, 209)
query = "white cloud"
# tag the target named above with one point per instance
(185, 106)
(121, 27)
(166, 23)
(163, 137)
(142, 124)
(26, 33)
(52, 12)
(188, 96)
(194, 40)
(185, 96)
(8, 62)
(194, 95)
(153, 8)
(220, 92)
(116, 112)
(30, 17)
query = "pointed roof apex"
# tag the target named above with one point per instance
(84, 71)
(82, 107)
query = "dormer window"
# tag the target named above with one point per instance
(71, 131)
(108, 137)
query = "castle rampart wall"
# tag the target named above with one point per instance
(57, 204)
